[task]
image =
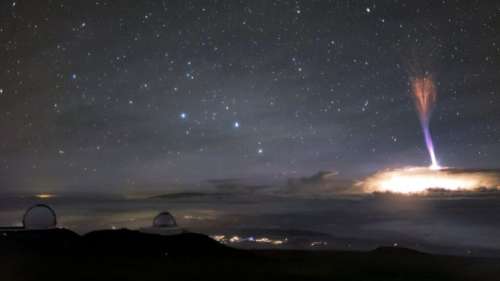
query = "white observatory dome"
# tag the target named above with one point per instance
(164, 219)
(163, 224)
(39, 216)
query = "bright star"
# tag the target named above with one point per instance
(236, 124)
(183, 115)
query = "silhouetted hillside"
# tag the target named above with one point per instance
(127, 242)
(54, 241)
(399, 251)
(130, 255)
(111, 242)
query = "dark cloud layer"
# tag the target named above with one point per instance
(460, 225)
(320, 185)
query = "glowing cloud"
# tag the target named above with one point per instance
(422, 179)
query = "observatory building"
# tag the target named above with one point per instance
(163, 224)
(37, 217)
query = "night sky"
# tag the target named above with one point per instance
(130, 95)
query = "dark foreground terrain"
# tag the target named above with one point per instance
(129, 255)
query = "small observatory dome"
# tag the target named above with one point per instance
(39, 216)
(163, 224)
(164, 219)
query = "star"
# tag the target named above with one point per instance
(183, 115)
(236, 124)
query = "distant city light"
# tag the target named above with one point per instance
(318, 243)
(250, 239)
(44, 195)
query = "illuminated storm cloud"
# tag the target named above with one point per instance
(422, 179)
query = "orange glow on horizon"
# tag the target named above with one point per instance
(44, 195)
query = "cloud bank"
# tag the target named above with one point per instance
(423, 179)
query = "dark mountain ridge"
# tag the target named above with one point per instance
(60, 254)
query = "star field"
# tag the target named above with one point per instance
(131, 94)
